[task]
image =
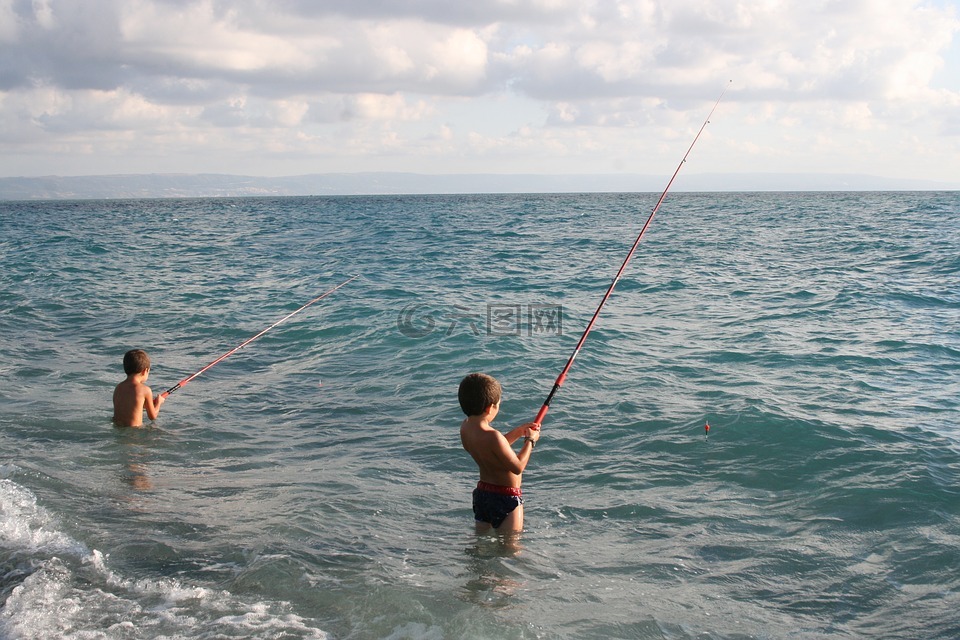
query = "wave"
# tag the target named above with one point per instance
(55, 587)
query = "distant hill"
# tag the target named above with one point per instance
(220, 185)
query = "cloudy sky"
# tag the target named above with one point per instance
(289, 87)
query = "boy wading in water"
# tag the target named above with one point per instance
(132, 396)
(498, 499)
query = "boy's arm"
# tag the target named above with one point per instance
(152, 404)
(517, 462)
(521, 431)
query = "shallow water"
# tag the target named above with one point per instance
(313, 486)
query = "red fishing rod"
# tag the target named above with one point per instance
(249, 340)
(616, 279)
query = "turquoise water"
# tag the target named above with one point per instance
(312, 485)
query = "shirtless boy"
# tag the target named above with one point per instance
(132, 396)
(498, 499)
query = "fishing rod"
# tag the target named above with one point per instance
(249, 340)
(583, 338)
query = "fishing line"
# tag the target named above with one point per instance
(249, 340)
(583, 338)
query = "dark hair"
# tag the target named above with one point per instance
(135, 361)
(477, 392)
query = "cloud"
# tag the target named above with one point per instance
(541, 78)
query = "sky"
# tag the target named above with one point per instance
(292, 87)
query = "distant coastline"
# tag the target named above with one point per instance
(389, 183)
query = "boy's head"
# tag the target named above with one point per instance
(477, 392)
(135, 361)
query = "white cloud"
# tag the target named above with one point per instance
(199, 38)
(43, 13)
(8, 22)
(374, 106)
(569, 85)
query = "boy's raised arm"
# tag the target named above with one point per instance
(152, 404)
(521, 431)
(517, 462)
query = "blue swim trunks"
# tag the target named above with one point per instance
(492, 503)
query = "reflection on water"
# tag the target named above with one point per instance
(491, 582)
(135, 455)
(135, 475)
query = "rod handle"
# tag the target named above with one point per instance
(173, 388)
(540, 415)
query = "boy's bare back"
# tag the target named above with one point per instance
(132, 397)
(497, 462)
(129, 399)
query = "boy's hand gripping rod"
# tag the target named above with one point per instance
(583, 338)
(249, 340)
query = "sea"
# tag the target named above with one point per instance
(312, 483)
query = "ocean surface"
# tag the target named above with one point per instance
(312, 485)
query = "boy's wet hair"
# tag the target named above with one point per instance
(135, 361)
(477, 392)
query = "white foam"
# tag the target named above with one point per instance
(41, 606)
(73, 593)
(261, 623)
(26, 527)
(54, 602)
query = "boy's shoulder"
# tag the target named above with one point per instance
(474, 423)
(479, 431)
(132, 386)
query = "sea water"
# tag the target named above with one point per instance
(312, 485)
